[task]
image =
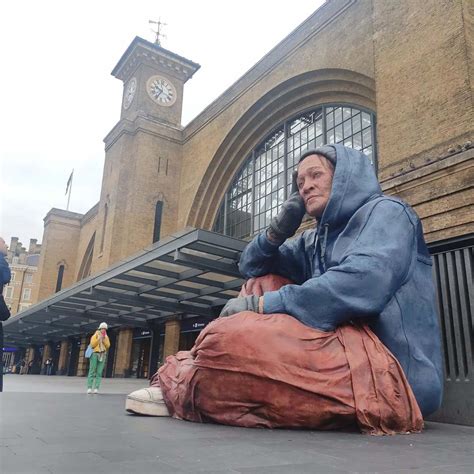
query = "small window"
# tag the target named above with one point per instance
(13, 276)
(59, 281)
(9, 292)
(26, 294)
(157, 226)
(29, 278)
(24, 306)
(15, 260)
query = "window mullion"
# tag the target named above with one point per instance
(325, 138)
(374, 144)
(252, 213)
(226, 197)
(285, 152)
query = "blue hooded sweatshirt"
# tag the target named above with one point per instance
(366, 259)
(5, 274)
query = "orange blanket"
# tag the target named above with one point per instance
(272, 371)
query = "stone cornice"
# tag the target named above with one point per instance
(142, 51)
(23, 267)
(147, 125)
(59, 214)
(453, 158)
(312, 26)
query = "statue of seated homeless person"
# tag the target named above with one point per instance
(335, 327)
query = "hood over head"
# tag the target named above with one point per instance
(354, 183)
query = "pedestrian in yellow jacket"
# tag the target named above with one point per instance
(100, 345)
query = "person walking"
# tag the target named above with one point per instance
(100, 345)
(48, 364)
(5, 276)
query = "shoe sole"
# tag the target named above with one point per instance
(140, 407)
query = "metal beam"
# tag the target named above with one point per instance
(217, 266)
(214, 250)
(135, 279)
(157, 271)
(158, 303)
(53, 324)
(119, 286)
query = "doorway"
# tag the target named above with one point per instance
(56, 351)
(140, 366)
(109, 364)
(74, 349)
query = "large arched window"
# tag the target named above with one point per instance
(263, 182)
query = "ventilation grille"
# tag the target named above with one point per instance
(453, 273)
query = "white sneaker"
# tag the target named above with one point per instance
(96, 390)
(147, 401)
(89, 390)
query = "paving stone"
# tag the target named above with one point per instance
(66, 431)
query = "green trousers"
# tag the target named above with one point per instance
(96, 367)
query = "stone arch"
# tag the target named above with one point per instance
(289, 98)
(160, 196)
(86, 264)
(62, 262)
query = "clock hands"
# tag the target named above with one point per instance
(161, 91)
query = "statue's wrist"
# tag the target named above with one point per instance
(273, 237)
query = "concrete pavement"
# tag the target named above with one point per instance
(50, 425)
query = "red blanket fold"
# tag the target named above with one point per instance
(272, 371)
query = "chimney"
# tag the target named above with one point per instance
(32, 247)
(13, 244)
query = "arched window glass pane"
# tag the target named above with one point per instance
(264, 181)
(239, 203)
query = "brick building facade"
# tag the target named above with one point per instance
(391, 78)
(21, 292)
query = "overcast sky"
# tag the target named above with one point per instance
(59, 100)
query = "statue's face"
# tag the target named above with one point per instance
(314, 183)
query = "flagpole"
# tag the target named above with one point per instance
(69, 194)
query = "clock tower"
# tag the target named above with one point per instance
(140, 186)
(153, 79)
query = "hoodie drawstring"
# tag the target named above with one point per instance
(324, 242)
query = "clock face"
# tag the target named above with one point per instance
(129, 93)
(161, 91)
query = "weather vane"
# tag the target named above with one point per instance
(159, 26)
